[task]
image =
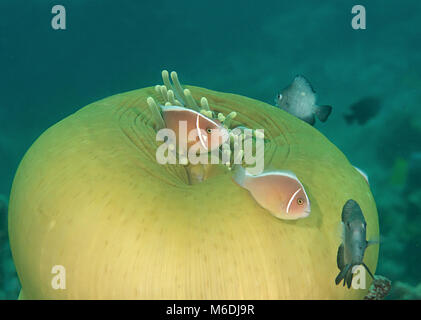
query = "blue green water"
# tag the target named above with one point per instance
(252, 48)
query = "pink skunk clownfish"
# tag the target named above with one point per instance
(191, 127)
(279, 192)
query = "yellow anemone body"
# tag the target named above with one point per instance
(90, 196)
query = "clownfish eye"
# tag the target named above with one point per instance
(209, 130)
(300, 201)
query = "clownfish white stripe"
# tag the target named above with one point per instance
(292, 198)
(199, 133)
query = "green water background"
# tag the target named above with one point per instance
(252, 48)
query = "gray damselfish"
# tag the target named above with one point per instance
(299, 99)
(354, 243)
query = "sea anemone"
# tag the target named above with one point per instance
(90, 197)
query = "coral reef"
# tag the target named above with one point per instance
(379, 289)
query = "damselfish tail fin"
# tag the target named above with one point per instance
(348, 279)
(341, 276)
(323, 112)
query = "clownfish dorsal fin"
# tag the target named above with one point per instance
(165, 108)
(285, 173)
(175, 108)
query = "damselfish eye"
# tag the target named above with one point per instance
(209, 130)
(300, 201)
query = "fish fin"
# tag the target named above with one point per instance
(287, 173)
(304, 80)
(323, 112)
(340, 257)
(309, 119)
(342, 274)
(368, 270)
(349, 277)
(239, 175)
